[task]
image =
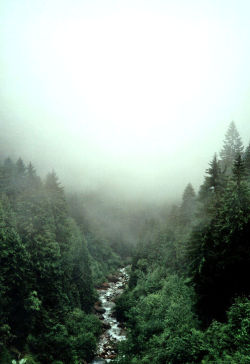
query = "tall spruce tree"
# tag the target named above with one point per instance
(210, 190)
(232, 147)
(33, 181)
(187, 208)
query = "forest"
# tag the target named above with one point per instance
(187, 299)
(188, 295)
(49, 267)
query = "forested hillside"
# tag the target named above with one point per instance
(188, 295)
(124, 184)
(187, 300)
(48, 270)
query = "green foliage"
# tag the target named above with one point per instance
(210, 191)
(46, 284)
(239, 170)
(187, 208)
(5, 356)
(160, 321)
(220, 254)
(186, 301)
(103, 259)
(230, 342)
(162, 327)
(177, 315)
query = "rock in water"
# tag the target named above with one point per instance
(99, 309)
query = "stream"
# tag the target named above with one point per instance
(113, 332)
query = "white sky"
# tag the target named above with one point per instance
(137, 92)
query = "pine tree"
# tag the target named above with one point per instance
(220, 253)
(232, 147)
(8, 178)
(58, 205)
(211, 190)
(187, 207)
(214, 178)
(81, 285)
(33, 181)
(20, 176)
(20, 168)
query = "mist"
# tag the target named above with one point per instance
(131, 98)
(124, 181)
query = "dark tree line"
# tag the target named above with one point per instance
(187, 300)
(188, 295)
(47, 271)
(219, 249)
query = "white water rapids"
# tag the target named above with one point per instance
(114, 332)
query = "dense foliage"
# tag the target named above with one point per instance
(48, 269)
(188, 295)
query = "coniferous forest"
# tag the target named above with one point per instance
(48, 270)
(187, 300)
(124, 182)
(188, 295)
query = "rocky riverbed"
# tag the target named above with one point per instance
(113, 332)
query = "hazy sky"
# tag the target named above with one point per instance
(137, 93)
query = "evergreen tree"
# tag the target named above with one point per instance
(239, 170)
(14, 278)
(20, 176)
(214, 178)
(187, 207)
(211, 190)
(33, 181)
(81, 284)
(232, 147)
(8, 178)
(20, 168)
(220, 253)
(58, 205)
